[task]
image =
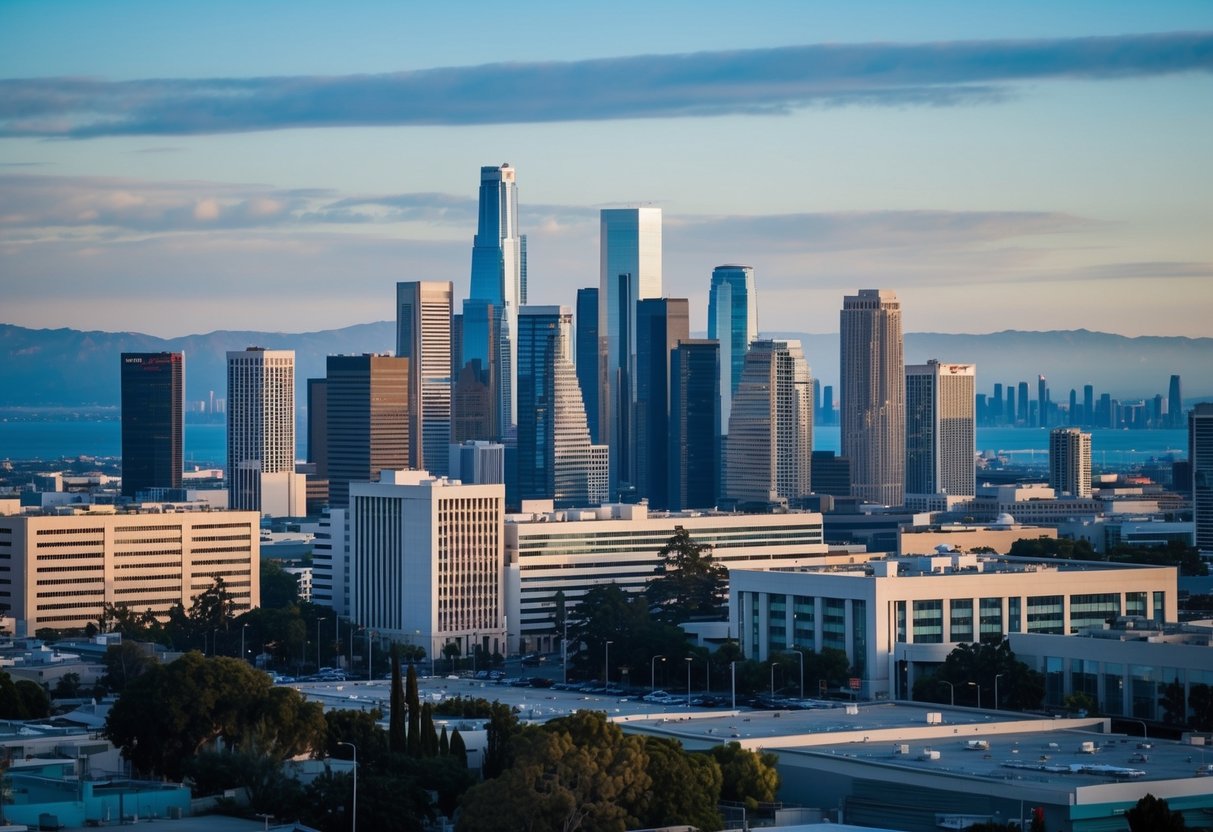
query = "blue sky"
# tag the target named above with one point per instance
(183, 167)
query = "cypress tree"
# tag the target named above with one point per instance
(458, 749)
(416, 736)
(429, 736)
(396, 707)
(444, 744)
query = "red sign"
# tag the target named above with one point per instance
(855, 683)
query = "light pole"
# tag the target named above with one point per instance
(689, 660)
(997, 701)
(242, 631)
(773, 682)
(369, 656)
(733, 676)
(951, 691)
(354, 819)
(653, 670)
(975, 685)
(318, 620)
(800, 655)
(606, 665)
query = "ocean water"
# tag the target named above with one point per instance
(206, 444)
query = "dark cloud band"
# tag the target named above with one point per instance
(756, 81)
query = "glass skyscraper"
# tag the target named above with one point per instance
(423, 336)
(660, 324)
(733, 322)
(694, 448)
(940, 429)
(153, 391)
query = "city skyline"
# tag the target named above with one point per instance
(988, 162)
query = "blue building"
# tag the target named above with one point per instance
(694, 425)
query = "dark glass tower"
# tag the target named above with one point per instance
(660, 324)
(694, 427)
(587, 355)
(153, 392)
(367, 420)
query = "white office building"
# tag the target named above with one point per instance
(261, 434)
(941, 429)
(427, 559)
(423, 336)
(1070, 462)
(890, 615)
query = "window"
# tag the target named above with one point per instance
(928, 622)
(961, 624)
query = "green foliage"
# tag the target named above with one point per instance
(1173, 553)
(428, 737)
(686, 787)
(13, 702)
(749, 777)
(67, 687)
(415, 740)
(35, 702)
(397, 741)
(464, 706)
(608, 613)
(499, 742)
(124, 662)
(688, 584)
(459, 749)
(172, 712)
(444, 743)
(360, 728)
(1152, 814)
(1048, 547)
(279, 588)
(1019, 686)
(1081, 701)
(270, 790)
(575, 773)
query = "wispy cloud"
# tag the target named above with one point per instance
(754, 81)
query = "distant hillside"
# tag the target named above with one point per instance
(67, 367)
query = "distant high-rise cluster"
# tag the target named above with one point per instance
(1003, 407)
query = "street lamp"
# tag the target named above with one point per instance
(733, 675)
(689, 660)
(800, 655)
(369, 656)
(653, 670)
(354, 820)
(606, 665)
(975, 685)
(773, 682)
(242, 631)
(951, 691)
(318, 620)
(997, 701)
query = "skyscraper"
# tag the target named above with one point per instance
(497, 263)
(629, 269)
(261, 433)
(940, 429)
(1024, 409)
(873, 395)
(770, 447)
(367, 406)
(474, 402)
(153, 392)
(1200, 457)
(317, 445)
(694, 452)
(733, 321)
(660, 324)
(586, 355)
(423, 336)
(553, 439)
(1088, 405)
(1070, 462)
(1042, 402)
(1175, 404)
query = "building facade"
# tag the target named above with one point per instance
(873, 395)
(58, 571)
(153, 394)
(427, 560)
(694, 436)
(1200, 458)
(941, 429)
(733, 322)
(895, 617)
(770, 440)
(1070, 462)
(570, 552)
(261, 433)
(367, 407)
(586, 355)
(423, 336)
(661, 323)
(629, 270)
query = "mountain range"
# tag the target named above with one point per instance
(50, 368)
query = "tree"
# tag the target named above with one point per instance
(688, 584)
(429, 737)
(35, 703)
(608, 613)
(1152, 814)
(360, 728)
(498, 747)
(560, 615)
(68, 686)
(125, 661)
(749, 777)
(686, 787)
(1200, 700)
(279, 588)
(415, 738)
(459, 749)
(1174, 706)
(172, 712)
(1050, 547)
(575, 773)
(397, 739)
(1019, 686)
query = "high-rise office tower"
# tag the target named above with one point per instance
(423, 336)
(497, 279)
(660, 324)
(997, 406)
(317, 445)
(153, 433)
(1024, 406)
(1200, 459)
(553, 439)
(629, 269)
(873, 395)
(1075, 416)
(940, 429)
(586, 355)
(368, 420)
(770, 447)
(694, 449)
(474, 401)
(1070, 462)
(733, 321)
(1175, 404)
(261, 433)
(1010, 411)
(1042, 402)
(1088, 405)
(827, 405)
